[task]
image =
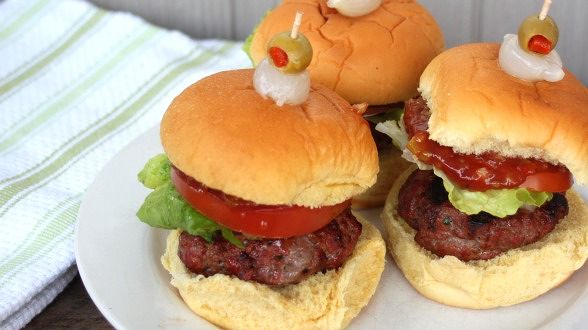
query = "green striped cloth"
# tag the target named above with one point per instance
(76, 85)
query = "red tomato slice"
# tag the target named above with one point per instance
(267, 221)
(548, 181)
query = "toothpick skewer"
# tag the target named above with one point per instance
(296, 25)
(545, 9)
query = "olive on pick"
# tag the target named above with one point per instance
(538, 36)
(290, 55)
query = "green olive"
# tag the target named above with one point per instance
(298, 49)
(533, 26)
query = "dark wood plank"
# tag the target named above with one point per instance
(72, 309)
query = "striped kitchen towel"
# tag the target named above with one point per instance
(76, 85)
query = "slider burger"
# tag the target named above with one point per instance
(258, 199)
(489, 219)
(369, 52)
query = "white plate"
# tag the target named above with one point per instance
(118, 260)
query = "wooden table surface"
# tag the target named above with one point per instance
(72, 309)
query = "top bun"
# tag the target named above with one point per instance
(221, 132)
(376, 59)
(477, 107)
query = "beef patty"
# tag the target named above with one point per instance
(444, 230)
(274, 261)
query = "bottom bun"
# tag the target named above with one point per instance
(391, 166)
(324, 301)
(512, 277)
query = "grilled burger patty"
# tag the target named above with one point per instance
(274, 261)
(444, 230)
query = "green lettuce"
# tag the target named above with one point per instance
(498, 202)
(394, 128)
(247, 44)
(165, 208)
(156, 172)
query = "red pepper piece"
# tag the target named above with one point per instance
(279, 56)
(540, 44)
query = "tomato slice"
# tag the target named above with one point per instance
(267, 221)
(548, 181)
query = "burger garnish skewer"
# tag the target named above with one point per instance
(290, 52)
(282, 76)
(531, 54)
(539, 33)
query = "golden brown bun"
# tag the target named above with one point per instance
(391, 166)
(510, 278)
(221, 132)
(377, 58)
(323, 301)
(477, 107)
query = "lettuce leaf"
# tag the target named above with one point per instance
(247, 44)
(165, 208)
(156, 172)
(395, 130)
(498, 202)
